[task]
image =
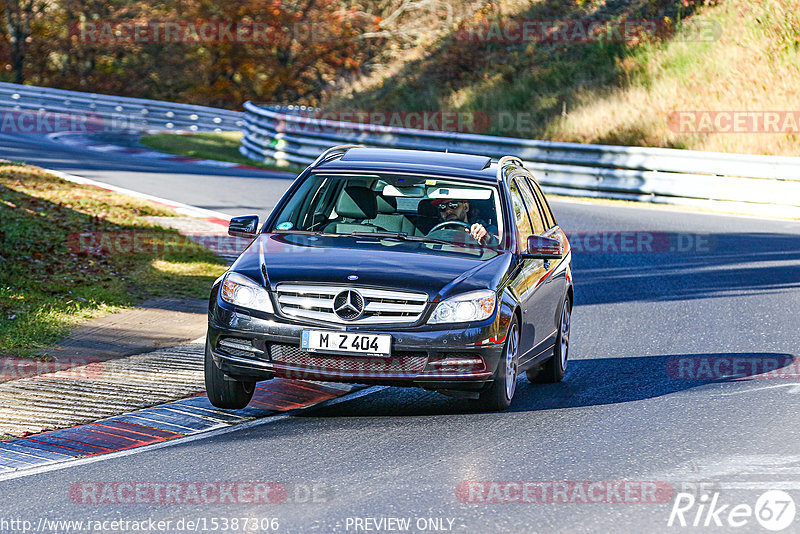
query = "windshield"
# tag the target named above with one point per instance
(405, 206)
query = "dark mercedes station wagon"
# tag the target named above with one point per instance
(397, 267)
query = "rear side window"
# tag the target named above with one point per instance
(520, 214)
(547, 213)
(537, 222)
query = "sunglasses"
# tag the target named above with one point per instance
(452, 205)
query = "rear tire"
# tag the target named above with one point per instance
(554, 369)
(499, 395)
(224, 391)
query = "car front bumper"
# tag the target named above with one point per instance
(442, 357)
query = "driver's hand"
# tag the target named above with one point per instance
(478, 232)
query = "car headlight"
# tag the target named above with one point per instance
(242, 291)
(472, 306)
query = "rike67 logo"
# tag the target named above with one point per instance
(774, 510)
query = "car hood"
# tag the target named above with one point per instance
(438, 270)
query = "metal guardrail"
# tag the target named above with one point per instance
(119, 112)
(289, 135)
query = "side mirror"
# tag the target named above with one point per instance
(544, 248)
(244, 226)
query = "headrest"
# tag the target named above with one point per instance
(425, 208)
(483, 210)
(387, 204)
(357, 202)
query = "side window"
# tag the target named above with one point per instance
(520, 215)
(533, 207)
(546, 211)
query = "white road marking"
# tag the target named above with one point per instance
(746, 471)
(180, 207)
(792, 388)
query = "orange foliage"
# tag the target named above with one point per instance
(302, 46)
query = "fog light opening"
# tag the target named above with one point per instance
(238, 344)
(461, 363)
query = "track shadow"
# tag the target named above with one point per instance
(594, 382)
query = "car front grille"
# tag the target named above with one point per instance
(401, 363)
(376, 306)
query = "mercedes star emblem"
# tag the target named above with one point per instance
(348, 304)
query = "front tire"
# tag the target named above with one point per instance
(498, 397)
(554, 369)
(224, 391)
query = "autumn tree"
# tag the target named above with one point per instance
(22, 19)
(300, 48)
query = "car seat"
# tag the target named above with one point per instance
(388, 217)
(355, 208)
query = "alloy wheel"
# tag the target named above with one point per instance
(511, 361)
(565, 320)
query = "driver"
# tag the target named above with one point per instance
(456, 210)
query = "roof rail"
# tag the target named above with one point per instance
(505, 161)
(333, 152)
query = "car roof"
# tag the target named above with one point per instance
(413, 161)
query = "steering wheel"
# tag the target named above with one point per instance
(449, 223)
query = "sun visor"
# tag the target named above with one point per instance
(460, 193)
(403, 191)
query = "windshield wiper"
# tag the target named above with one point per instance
(401, 236)
(397, 235)
(305, 232)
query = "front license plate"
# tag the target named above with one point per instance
(346, 343)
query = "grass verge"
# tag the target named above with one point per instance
(67, 254)
(223, 146)
(708, 56)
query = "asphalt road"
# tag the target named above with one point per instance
(241, 192)
(712, 289)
